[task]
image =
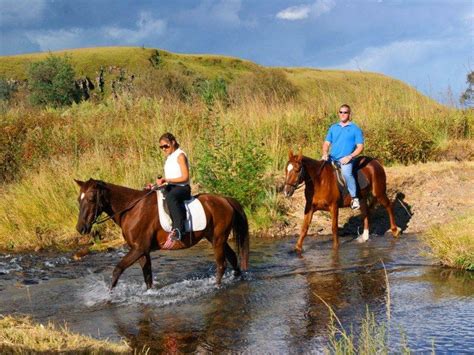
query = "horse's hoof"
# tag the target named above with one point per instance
(237, 273)
(299, 252)
(395, 233)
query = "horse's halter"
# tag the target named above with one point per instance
(299, 181)
(97, 213)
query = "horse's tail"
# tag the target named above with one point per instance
(240, 227)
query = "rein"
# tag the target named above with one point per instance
(133, 204)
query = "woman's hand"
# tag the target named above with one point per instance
(160, 181)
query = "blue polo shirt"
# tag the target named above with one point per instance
(343, 139)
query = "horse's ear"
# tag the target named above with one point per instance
(79, 182)
(300, 155)
(290, 154)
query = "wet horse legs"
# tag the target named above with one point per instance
(145, 263)
(232, 258)
(132, 256)
(308, 216)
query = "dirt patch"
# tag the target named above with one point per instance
(423, 195)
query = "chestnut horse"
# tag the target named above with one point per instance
(322, 192)
(136, 213)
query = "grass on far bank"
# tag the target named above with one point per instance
(453, 243)
(20, 335)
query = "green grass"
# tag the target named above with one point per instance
(453, 243)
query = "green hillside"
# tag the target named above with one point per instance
(137, 61)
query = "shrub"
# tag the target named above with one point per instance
(161, 83)
(268, 85)
(233, 167)
(212, 90)
(6, 89)
(51, 82)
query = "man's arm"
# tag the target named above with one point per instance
(356, 152)
(326, 146)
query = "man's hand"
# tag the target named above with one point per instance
(325, 157)
(346, 160)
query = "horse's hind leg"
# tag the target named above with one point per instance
(145, 263)
(232, 258)
(219, 253)
(132, 256)
(384, 201)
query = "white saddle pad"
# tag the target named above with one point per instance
(195, 215)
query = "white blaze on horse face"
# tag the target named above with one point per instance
(82, 196)
(290, 167)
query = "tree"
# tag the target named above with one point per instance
(467, 98)
(51, 82)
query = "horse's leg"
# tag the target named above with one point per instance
(364, 209)
(219, 253)
(384, 201)
(308, 216)
(232, 258)
(132, 256)
(145, 263)
(334, 209)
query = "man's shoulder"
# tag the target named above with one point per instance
(355, 126)
(334, 125)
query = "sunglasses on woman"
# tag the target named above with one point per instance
(164, 146)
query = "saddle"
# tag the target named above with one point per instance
(195, 215)
(361, 180)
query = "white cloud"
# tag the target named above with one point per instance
(211, 12)
(395, 54)
(301, 12)
(147, 26)
(57, 39)
(21, 12)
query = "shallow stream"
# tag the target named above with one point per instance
(275, 309)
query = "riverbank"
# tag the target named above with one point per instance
(20, 335)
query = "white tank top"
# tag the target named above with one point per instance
(172, 168)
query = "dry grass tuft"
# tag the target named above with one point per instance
(453, 243)
(20, 335)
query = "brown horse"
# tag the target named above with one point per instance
(136, 213)
(322, 192)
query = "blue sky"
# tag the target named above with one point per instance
(428, 44)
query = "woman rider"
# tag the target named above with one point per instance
(177, 179)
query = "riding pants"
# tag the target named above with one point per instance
(175, 197)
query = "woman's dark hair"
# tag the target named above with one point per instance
(170, 138)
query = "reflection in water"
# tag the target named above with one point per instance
(275, 309)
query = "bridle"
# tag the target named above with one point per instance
(301, 174)
(129, 207)
(299, 181)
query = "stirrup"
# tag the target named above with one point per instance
(355, 204)
(175, 235)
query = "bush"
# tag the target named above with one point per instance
(268, 85)
(233, 167)
(51, 82)
(165, 83)
(212, 91)
(6, 89)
